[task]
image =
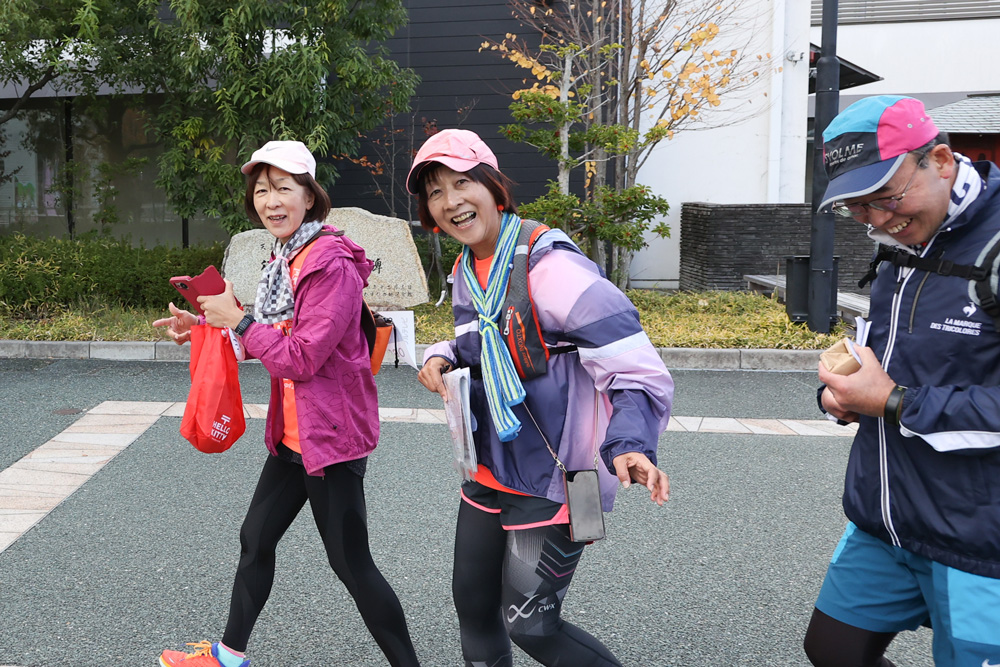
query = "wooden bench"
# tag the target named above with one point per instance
(849, 305)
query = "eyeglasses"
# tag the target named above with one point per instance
(883, 204)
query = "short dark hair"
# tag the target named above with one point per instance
(496, 182)
(321, 201)
(922, 152)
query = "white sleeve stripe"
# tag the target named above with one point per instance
(468, 327)
(951, 441)
(621, 346)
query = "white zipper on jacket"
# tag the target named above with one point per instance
(897, 297)
(883, 459)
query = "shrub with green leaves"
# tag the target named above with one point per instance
(41, 275)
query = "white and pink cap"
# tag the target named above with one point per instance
(291, 156)
(460, 150)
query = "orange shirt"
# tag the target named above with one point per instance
(291, 435)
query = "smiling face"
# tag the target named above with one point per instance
(280, 202)
(924, 207)
(464, 209)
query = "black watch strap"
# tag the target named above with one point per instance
(243, 325)
(894, 405)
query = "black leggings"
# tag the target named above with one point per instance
(831, 643)
(509, 585)
(338, 506)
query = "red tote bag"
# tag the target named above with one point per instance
(213, 417)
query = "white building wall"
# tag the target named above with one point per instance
(942, 60)
(760, 159)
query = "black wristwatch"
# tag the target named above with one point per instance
(243, 325)
(894, 405)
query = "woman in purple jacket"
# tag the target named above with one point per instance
(322, 421)
(597, 409)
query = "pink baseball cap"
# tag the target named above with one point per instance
(460, 150)
(292, 156)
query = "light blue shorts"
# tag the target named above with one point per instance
(878, 587)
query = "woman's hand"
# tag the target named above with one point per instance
(178, 325)
(637, 466)
(431, 375)
(221, 310)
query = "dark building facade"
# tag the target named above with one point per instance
(461, 86)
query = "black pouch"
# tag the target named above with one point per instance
(583, 495)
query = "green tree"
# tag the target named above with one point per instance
(224, 76)
(72, 46)
(610, 80)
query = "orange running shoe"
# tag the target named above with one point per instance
(206, 654)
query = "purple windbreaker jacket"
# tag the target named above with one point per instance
(326, 356)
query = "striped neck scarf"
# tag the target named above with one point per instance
(503, 386)
(968, 185)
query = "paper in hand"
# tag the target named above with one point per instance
(459, 417)
(841, 358)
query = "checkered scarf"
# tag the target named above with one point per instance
(275, 300)
(503, 386)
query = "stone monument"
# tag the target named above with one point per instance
(246, 256)
(397, 281)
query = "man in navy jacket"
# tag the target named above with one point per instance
(922, 489)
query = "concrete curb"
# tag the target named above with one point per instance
(675, 358)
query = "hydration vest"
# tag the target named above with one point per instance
(978, 274)
(518, 323)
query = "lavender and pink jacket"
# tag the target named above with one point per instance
(326, 356)
(575, 306)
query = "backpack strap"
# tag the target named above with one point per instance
(518, 319)
(984, 292)
(942, 267)
(978, 274)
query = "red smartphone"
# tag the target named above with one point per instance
(209, 282)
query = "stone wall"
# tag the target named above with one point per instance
(720, 243)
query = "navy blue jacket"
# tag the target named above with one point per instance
(932, 485)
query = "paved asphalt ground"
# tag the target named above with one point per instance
(141, 557)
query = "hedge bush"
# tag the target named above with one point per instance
(41, 274)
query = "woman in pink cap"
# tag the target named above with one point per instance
(322, 421)
(566, 388)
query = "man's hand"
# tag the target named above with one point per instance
(831, 405)
(861, 393)
(637, 466)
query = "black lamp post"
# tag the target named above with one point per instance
(822, 235)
